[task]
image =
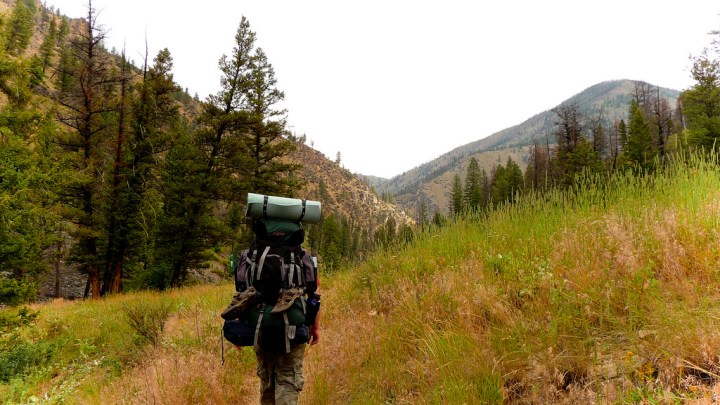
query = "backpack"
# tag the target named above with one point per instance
(275, 263)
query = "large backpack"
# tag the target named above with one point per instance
(275, 262)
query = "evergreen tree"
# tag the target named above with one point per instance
(153, 117)
(701, 103)
(640, 150)
(331, 249)
(473, 186)
(599, 136)
(423, 219)
(457, 200)
(47, 49)
(569, 135)
(615, 145)
(438, 219)
(267, 142)
(514, 180)
(187, 227)
(242, 142)
(20, 27)
(498, 185)
(30, 171)
(86, 109)
(622, 134)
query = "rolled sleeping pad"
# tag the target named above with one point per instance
(291, 209)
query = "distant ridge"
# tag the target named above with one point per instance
(431, 181)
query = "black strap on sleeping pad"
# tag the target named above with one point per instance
(302, 214)
(265, 203)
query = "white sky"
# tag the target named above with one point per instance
(392, 84)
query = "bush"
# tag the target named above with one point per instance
(14, 292)
(17, 360)
(10, 320)
(148, 318)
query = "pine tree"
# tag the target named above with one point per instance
(514, 179)
(569, 134)
(86, 109)
(473, 186)
(640, 151)
(701, 103)
(29, 174)
(457, 199)
(267, 142)
(20, 27)
(423, 216)
(47, 49)
(498, 185)
(241, 139)
(152, 118)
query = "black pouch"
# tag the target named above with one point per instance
(302, 335)
(312, 307)
(239, 333)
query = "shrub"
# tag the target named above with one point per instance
(10, 320)
(14, 292)
(148, 318)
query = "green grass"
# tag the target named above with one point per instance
(73, 352)
(606, 295)
(544, 300)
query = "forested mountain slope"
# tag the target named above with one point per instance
(112, 177)
(431, 181)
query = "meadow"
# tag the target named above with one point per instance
(608, 293)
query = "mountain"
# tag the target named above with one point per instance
(431, 182)
(342, 192)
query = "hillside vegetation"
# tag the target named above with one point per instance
(608, 295)
(112, 178)
(606, 102)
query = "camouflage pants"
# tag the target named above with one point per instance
(280, 375)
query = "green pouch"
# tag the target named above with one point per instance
(275, 323)
(272, 329)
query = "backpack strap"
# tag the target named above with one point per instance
(262, 262)
(291, 271)
(249, 274)
(256, 343)
(251, 277)
(287, 332)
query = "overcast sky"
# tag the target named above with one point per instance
(392, 84)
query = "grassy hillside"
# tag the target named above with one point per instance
(604, 297)
(608, 296)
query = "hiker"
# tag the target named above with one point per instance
(280, 373)
(276, 303)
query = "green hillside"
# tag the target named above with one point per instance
(608, 296)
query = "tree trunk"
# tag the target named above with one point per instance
(94, 277)
(117, 276)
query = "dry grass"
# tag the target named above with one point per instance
(569, 300)
(592, 300)
(173, 376)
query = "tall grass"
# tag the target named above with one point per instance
(604, 293)
(136, 348)
(607, 293)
